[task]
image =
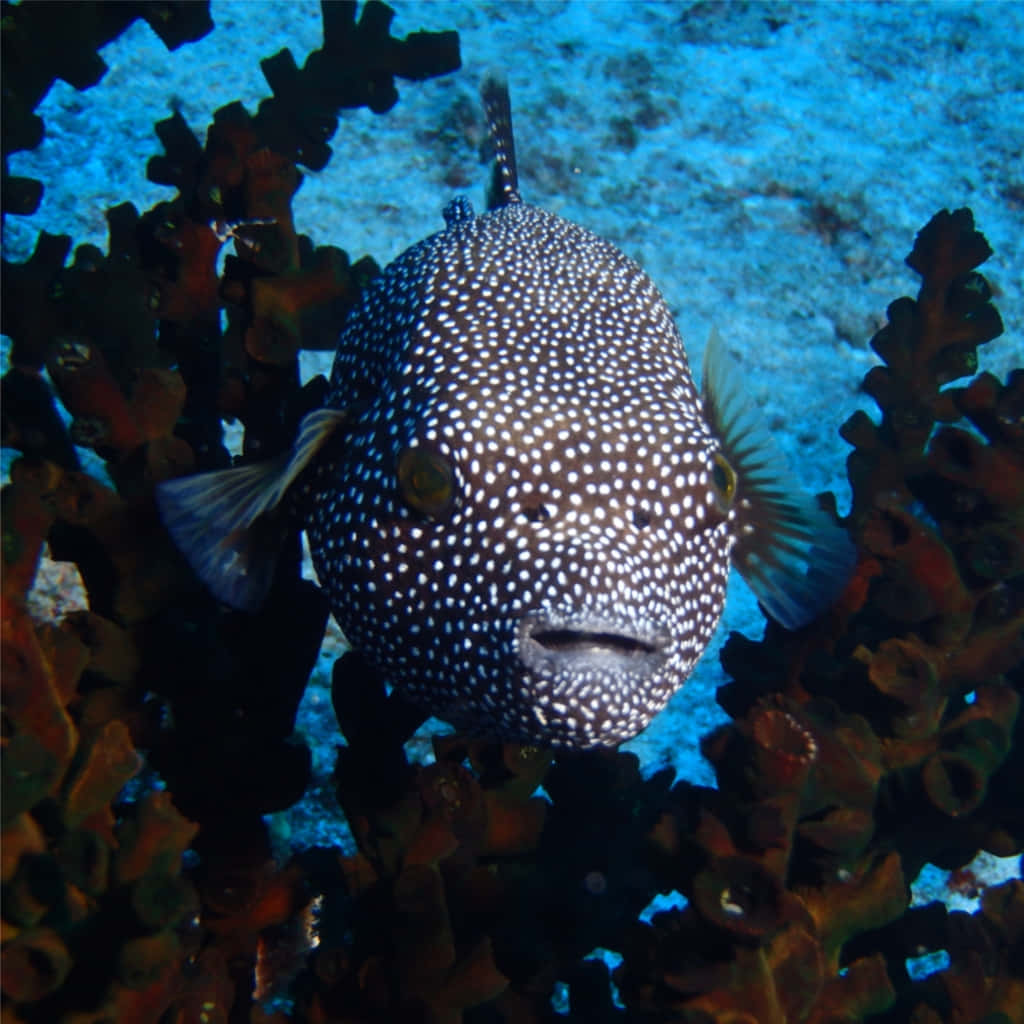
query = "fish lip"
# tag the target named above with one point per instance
(553, 643)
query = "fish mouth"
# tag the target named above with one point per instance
(586, 642)
(552, 644)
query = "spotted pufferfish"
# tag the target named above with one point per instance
(521, 508)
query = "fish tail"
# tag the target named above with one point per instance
(504, 188)
(795, 558)
(228, 524)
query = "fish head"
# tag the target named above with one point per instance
(529, 542)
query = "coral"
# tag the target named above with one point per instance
(145, 738)
(38, 49)
(100, 920)
(93, 899)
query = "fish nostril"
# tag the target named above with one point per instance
(539, 513)
(641, 520)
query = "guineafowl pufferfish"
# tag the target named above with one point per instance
(521, 509)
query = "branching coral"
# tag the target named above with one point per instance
(39, 48)
(93, 900)
(100, 923)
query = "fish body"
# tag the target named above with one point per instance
(521, 508)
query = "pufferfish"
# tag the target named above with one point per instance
(522, 510)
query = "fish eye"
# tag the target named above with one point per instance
(723, 482)
(426, 481)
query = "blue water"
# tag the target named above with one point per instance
(769, 165)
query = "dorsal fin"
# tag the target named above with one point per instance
(504, 187)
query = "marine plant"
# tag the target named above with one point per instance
(884, 737)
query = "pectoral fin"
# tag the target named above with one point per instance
(224, 522)
(795, 558)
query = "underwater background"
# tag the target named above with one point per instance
(769, 165)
